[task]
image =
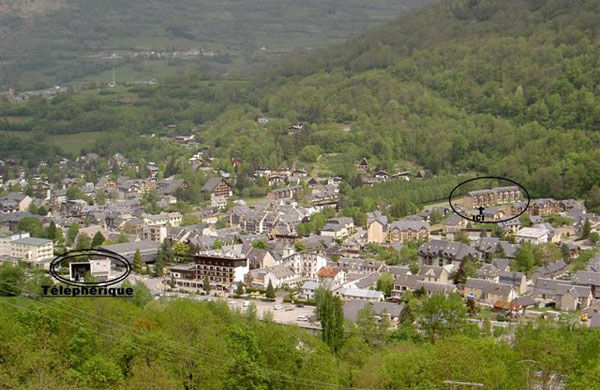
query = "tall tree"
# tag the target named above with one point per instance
(270, 293)
(329, 312)
(52, 231)
(137, 262)
(159, 264)
(586, 229)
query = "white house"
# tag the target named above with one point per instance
(37, 252)
(361, 294)
(278, 275)
(532, 235)
(305, 265)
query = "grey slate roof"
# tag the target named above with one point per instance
(407, 224)
(551, 269)
(587, 278)
(368, 281)
(212, 183)
(280, 271)
(377, 216)
(436, 288)
(489, 287)
(396, 270)
(525, 301)
(33, 241)
(594, 264)
(487, 271)
(448, 249)
(351, 309)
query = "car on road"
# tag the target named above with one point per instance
(300, 305)
(289, 308)
(277, 307)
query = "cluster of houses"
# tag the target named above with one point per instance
(381, 176)
(338, 256)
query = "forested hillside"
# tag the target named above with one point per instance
(509, 88)
(48, 42)
(76, 343)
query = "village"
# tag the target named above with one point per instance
(261, 251)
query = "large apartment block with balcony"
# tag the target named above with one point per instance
(490, 197)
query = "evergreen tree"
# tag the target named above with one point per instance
(159, 264)
(586, 229)
(137, 262)
(52, 231)
(270, 293)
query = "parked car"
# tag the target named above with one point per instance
(302, 318)
(246, 303)
(277, 307)
(300, 305)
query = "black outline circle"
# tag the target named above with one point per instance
(489, 177)
(90, 252)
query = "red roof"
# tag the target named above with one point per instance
(328, 272)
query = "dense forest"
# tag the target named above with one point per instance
(50, 42)
(140, 343)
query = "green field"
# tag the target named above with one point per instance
(69, 143)
(73, 143)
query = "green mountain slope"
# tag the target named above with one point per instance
(509, 88)
(501, 87)
(55, 41)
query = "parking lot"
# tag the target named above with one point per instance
(283, 313)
